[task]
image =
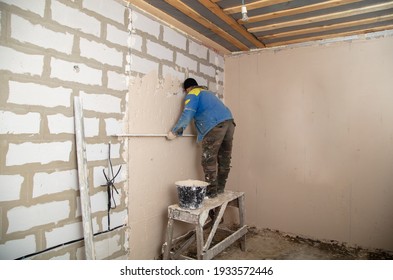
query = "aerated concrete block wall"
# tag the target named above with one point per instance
(50, 52)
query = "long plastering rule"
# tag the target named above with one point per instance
(83, 180)
(149, 135)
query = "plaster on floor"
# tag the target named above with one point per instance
(272, 245)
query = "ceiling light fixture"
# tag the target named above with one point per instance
(244, 12)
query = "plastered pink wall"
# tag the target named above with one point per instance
(314, 142)
(161, 58)
(155, 164)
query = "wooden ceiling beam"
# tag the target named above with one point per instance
(206, 23)
(327, 27)
(300, 10)
(343, 14)
(336, 35)
(213, 7)
(179, 25)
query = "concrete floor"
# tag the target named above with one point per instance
(272, 245)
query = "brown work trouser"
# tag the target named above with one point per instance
(216, 156)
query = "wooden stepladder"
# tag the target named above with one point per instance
(198, 218)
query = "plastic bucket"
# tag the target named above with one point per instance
(191, 193)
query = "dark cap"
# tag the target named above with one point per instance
(189, 82)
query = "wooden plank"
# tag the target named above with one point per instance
(327, 27)
(184, 216)
(183, 237)
(184, 247)
(168, 239)
(181, 26)
(242, 217)
(219, 247)
(300, 10)
(181, 257)
(343, 14)
(175, 210)
(206, 23)
(336, 35)
(215, 226)
(83, 180)
(231, 22)
(188, 237)
(199, 238)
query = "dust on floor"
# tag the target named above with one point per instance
(266, 244)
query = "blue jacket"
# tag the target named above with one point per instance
(205, 108)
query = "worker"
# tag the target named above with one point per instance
(215, 128)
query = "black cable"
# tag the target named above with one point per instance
(110, 185)
(66, 243)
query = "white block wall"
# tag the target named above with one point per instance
(75, 19)
(27, 93)
(27, 32)
(43, 153)
(75, 72)
(19, 63)
(50, 52)
(55, 182)
(37, 7)
(18, 124)
(64, 234)
(23, 218)
(17, 247)
(10, 187)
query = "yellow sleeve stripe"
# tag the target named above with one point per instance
(195, 91)
(186, 102)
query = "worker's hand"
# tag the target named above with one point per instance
(170, 136)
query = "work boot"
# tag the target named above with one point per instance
(211, 191)
(220, 189)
